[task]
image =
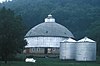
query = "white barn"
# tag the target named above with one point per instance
(45, 38)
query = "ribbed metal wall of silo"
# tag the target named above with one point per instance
(86, 50)
(67, 49)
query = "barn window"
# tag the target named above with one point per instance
(38, 49)
(53, 49)
(46, 31)
(65, 33)
(33, 49)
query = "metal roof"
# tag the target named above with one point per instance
(50, 29)
(69, 40)
(86, 39)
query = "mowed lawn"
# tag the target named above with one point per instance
(50, 62)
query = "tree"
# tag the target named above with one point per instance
(11, 34)
(93, 32)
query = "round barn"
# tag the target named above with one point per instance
(45, 38)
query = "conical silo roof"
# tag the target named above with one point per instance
(86, 39)
(69, 40)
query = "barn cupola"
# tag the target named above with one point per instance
(49, 18)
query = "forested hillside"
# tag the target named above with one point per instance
(76, 15)
(81, 17)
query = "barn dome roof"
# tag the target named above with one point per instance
(49, 28)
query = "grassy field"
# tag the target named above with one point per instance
(50, 62)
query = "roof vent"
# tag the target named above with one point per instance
(49, 18)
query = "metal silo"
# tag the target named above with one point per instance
(86, 50)
(67, 49)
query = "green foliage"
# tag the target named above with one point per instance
(20, 57)
(93, 32)
(11, 34)
(76, 15)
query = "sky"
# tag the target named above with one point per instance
(3, 1)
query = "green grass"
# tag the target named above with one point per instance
(50, 62)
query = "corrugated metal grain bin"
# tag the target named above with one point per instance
(86, 50)
(67, 49)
